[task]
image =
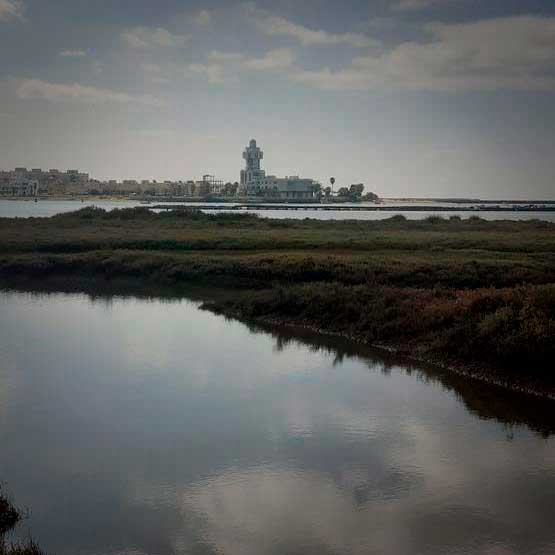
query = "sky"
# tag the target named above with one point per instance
(422, 98)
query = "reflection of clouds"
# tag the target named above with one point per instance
(266, 510)
(271, 510)
(155, 423)
(304, 412)
(478, 490)
(452, 457)
(256, 511)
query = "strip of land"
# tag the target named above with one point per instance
(471, 295)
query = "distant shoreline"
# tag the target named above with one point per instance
(250, 200)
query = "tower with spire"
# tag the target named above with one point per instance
(252, 172)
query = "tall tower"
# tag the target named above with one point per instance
(252, 156)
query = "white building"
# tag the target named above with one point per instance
(18, 186)
(255, 182)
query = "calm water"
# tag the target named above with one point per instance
(145, 426)
(45, 208)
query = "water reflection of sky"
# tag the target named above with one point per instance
(145, 426)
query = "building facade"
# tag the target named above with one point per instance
(18, 185)
(255, 182)
(49, 181)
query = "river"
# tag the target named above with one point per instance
(45, 208)
(136, 425)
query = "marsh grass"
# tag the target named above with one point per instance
(454, 290)
(510, 329)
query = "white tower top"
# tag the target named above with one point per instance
(252, 156)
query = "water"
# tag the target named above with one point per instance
(45, 208)
(146, 426)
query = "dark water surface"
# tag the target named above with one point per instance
(147, 426)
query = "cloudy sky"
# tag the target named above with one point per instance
(411, 97)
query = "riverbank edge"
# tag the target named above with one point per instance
(216, 300)
(525, 386)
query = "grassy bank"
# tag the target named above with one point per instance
(466, 293)
(504, 335)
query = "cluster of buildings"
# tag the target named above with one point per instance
(22, 182)
(254, 182)
(207, 186)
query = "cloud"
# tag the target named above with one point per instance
(275, 25)
(73, 53)
(415, 5)
(504, 53)
(151, 68)
(75, 92)
(280, 504)
(219, 66)
(223, 65)
(203, 18)
(274, 59)
(514, 53)
(146, 37)
(156, 73)
(10, 9)
(225, 57)
(409, 5)
(215, 73)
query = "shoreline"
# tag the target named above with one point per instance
(525, 387)
(213, 299)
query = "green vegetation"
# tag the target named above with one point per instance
(9, 517)
(471, 294)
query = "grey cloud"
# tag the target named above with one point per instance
(203, 18)
(507, 53)
(408, 5)
(10, 9)
(274, 25)
(274, 59)
(146, 37)
(219, 56)
(414, 5)
(223, 66)
(75, 92)
(515, 53)
(73, 53)
(215, 73)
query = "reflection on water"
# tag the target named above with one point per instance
(486, 401)
(144, 425)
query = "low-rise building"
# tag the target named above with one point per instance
(18, 186)
(51, 181)
(292, 188)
